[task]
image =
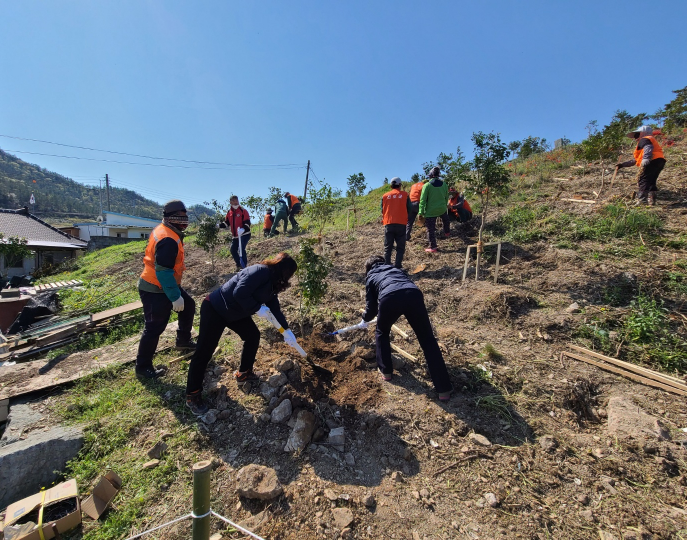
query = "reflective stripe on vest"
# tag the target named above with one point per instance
(416, 192)
(159, 233)
(394, 208)
(639, 152)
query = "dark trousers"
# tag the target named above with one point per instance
(279, 217)
(292, 216)
(394, 233)
(647, 176)
(431, 224)
(412, 214)
(212, 324)
(156, 311)
(234, 249)
(411, 304)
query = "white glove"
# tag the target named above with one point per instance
(240, 231)
(178, 304)
(289, 338)
(645, 162)
(363, 324)
(263, 312)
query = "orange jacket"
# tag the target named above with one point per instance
(236, 219)
(269, 220)
(395, 207)
(657, 153)
(416, 191)
(160, 232)
(453, 201)
(292, 200)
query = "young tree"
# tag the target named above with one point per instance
(453, 167)
(532, 145)
(274, 195)
(208, 237)
(514, 146)
(356, 188)
(490, 175)
(257, 205)
(13, 249)
(321, 207)
(312, 273)
(416, 178)
(676, 110)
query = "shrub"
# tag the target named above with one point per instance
(312, 273)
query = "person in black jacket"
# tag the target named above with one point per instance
(390, 294)
(252, 290)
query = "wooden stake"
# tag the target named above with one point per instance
(404, 354)
(498, 260)
(467, 258)
(580, 200)
(614, 173)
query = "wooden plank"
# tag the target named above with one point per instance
(400, 332)
(651, 374)
(403, 353)
(580, 200)
(629, 375)
(95, 317)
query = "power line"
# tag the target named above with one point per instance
(144, 156)
(237, 168)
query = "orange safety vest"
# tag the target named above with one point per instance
(454, 200)
(293, 200)
(416, 192)
(160, 232)
(639, 152)
(394, 207)
(269, 220)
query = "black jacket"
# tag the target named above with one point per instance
(243, 294)
(383, 280)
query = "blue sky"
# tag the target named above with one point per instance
(372, 87)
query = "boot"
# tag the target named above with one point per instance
(641, 198)
(652, 198)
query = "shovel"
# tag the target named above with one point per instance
(271, 318)
(349, 328)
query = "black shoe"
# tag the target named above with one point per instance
(196, 404)
(189, 345)
(151, 372)
(246, 377)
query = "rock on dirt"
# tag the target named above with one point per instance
(396, 476)
(156, 451)
(267, 391)
(479, 439)
(343, 517)
(281, 412)
(330, 494)
(258, 482)
(277, 380)
(573, 308)
(301, 433)
(151, 464)
(369, 500)
(548, 443)
(337, 438)
(627, 419)
(210, 417)
(491, 499)
(283, 364)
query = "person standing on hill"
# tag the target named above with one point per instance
(281, 213)
(415, 192)
(269, 221)
(238, 221)
(395, 208)
(433, 204)
(390, 294)
(252, 291)
(160, 288)
(294, 209)
(648, 156)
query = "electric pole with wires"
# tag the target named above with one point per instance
(307, 173)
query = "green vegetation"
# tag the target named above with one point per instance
(13, 249)
(312, 273)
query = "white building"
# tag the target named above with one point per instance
(116, 225)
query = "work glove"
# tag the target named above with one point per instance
(263, 312)
(645, 162)
(240, 231)
(289, 338)
(178, 304)
(363, 324)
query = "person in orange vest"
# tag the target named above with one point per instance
(649, 158)
(238, 221)
(160, 288)
(415, 192)
(458, 207)
(395, 209)
(269, 221)
(294, 209)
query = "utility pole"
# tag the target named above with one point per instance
(307, 173)
(100, 190)
(107, 185)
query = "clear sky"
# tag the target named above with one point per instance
(377, 87)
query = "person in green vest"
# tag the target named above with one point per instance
(281, 213)
(433, 204)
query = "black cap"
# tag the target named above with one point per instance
(395, 181)
(172, 207)
(435, 172)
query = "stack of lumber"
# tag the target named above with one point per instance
(639, 374)
(57, 285)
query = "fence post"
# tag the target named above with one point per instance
(201, 499)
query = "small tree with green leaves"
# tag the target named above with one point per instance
(14, 249)
(208, 237)
(454, 168)
(320, 209)
(676, 111)
(257, 205)
(274, 194)
(490, 176)
(312, 273)
(356, 188)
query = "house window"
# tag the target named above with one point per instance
(119, 235)
(144, 235)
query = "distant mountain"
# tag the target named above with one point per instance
(58, 196)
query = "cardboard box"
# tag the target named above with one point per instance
(103, 493)
(66, 492)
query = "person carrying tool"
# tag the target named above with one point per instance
(433, 204)
(160, 288)
(395, 208)
(238, 221)
(269, 221)
(281, 213)
(415, 192)
(294, 209)
(390, 294)
(649, 158)
(254, 290)
(458, 207)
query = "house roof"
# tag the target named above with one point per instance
(129, 215)
(37, 232)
